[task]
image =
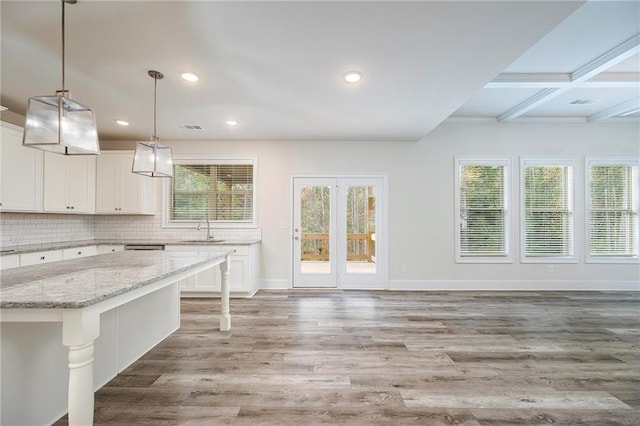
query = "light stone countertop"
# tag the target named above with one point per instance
(20, 249)
(86, 281)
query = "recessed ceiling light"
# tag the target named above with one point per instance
(122, 122)
(189, 76)
(352, 76)
(232, 123)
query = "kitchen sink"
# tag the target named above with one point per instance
(203, 241)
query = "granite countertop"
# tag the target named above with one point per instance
(86, 281)
(68, 244)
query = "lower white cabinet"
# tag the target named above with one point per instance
(244, 273)
(76, 252)
(38, 257)
(110, 248)
(9, 261)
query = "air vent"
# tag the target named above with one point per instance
(190, 127)
(583, 101)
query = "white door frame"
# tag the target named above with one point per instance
(381, 282)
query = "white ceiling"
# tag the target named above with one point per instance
(277, 67)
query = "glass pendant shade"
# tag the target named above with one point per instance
(61, 125)
(153, 159)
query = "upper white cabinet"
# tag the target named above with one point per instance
(20, 172)
(69, 183)
(118, 190)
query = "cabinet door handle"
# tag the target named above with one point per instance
(42, 258)
(79, 252)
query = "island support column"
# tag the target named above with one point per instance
(80, 328)
(225, 317)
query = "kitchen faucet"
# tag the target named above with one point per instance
(209, 236)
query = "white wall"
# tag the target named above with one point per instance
(421, 185)
(421, 176)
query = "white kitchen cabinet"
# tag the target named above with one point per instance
(118, 190)
(77, 252)
(110, 248)
(38, 257)
(9, 261)
(244, 272)
(20, 172)
(69, 183)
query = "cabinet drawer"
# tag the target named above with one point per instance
(109, 248)
(238, 250)
(35, 258)
(76, 252)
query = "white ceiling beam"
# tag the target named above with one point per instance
(609, 59)
(528, 80)
(620, 109)
(544, 80)
(530, 103)
(612, 57)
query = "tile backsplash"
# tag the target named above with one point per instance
(17, 229)
(150, 228)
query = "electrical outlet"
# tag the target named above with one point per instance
(550, 268)
(405, 269)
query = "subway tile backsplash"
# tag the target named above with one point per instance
(150, 228)
(17, 229)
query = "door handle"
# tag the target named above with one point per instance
(296, 238)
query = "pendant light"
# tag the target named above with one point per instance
(58, 124)
(151, 158)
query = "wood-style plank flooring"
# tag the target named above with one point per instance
(390, 358)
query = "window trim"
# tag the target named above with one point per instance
(607, 161)
(546, 161)
(190, 159)
(460, 161)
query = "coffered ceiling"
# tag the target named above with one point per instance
(277, 67)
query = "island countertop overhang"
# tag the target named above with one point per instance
(78, 283)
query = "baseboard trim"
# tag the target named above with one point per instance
(480, 285)
(513, 285)
(275, 284)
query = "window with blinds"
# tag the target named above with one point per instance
(482, 216)
(547, 209)
(220, 191)
(612, 210)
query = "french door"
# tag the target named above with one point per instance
(339, 232)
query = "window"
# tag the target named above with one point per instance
(482, 217)
(612, 206)
(547, 225)
(219, 190)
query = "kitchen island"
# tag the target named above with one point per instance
(128, 299)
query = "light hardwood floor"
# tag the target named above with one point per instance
(390, 358)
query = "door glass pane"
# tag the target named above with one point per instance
(315, 221)
(361, 230)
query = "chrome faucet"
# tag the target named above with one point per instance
(209, 236)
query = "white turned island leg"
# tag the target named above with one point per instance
(225, 317)
(79, 331)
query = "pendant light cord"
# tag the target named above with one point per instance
(63, 2)
(155, 91)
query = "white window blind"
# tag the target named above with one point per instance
(482, 209)
(613, 209)
(548, 225)
(220, 192)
